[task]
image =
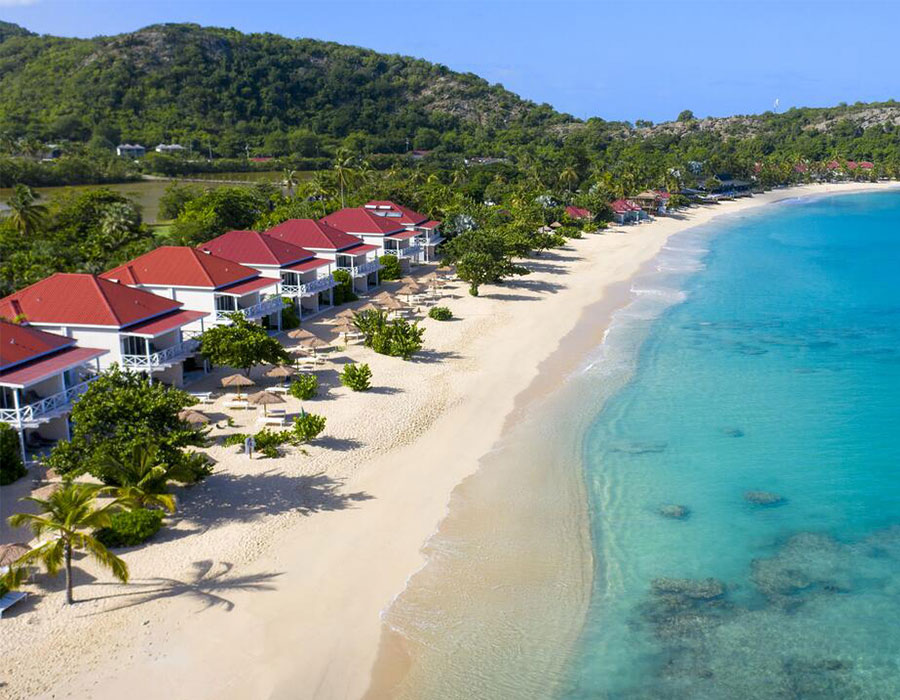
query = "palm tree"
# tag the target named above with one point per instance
(569, 178)
(141, 481)
(118, 223)
(68, 516)
(289, 181)
(26, 216)
(343, 171)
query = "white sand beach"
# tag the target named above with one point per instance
(270, 580)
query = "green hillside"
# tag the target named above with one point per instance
(219, 87)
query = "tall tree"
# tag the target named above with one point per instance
(26, 215)
(67, 518)
(344, 172)
(241, 344)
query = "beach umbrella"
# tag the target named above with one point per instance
(346, 313)
(390, 303)
(280, 372)
(264, 398)
(193, 417)
(237, 380)
(11, 553)
(44, 492)
(345, 326)
(410, 288)
(367, 307)
(301, 334)
(556, 224)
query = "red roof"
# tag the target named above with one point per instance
(851, 164)
(866, 165)
(313, 264)
(403, 235)
(84, 300)
(20, 343)
(37, 370)
(253, 248)
(247, 286)
(180, 266)
(164, 324)
(358, 221)
(833, 165)
(309, 233)
(578, 212)
(360, 249)
(430, 224)
(396, 212)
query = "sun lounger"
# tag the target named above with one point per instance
(275, 417)
(202, 396)
(237, 403)
(279, 389)
(11, 599)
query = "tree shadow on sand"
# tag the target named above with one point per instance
(247, 497)
(208, 584)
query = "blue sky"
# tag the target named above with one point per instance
(615, 59)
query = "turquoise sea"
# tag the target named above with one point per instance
(768, 360)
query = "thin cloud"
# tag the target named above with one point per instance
(17, 3)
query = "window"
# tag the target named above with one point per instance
(133, 345)
(225, 303)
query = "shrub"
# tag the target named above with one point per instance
(305, 386)
(390, 268)
(234, 439)
(370, 323)
(307, 426)
(11, 466)
(128, 528)
(266, 441)
(398, 338)
(357, 377)
(344, 290)
(440, 313)
(289, 317)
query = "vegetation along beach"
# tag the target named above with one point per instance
(330, 373)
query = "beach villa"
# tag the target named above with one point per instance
(41, 375)
(204, 282)
(358, 259)
(305, 278)
(579, 213)
(428, 235)
(391, 236)
(132, 327)
(626, 211)
(651, 201)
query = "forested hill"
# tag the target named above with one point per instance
(178, 82)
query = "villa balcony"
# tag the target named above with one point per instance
(263, 308)
(162, 359)
(364, 269)
(323, 284)
(408, 252)
(53, 406)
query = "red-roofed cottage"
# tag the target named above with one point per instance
(579, 213)
(304, 277)
(137, 329)
(347, 252)
(391, 236)
(41, 375)
(428, 235)
(203, 282)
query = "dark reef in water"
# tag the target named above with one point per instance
(778, 640)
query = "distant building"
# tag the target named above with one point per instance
(484, 160)
(131, 150)
(579, 213)
(52, 151)
(170, 149)
(652, 202)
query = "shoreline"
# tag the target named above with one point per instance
(304, 620)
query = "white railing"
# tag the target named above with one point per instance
(408, 252)
(168, 356)
(263, 308)
(47, 408)
(323, 284)
(364, 269)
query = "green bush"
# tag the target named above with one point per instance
(290, 319)
(11, 466)
(344, 290)
(398, 338)
(390, 268)
(440, 313)
(266, 441)
(128, 528)
(307, 426)
(234, 439)
(305, 386)
(357, 377)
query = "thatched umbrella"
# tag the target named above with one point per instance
(237, 380)
(345, 326)
(44, 492)
(367, 307)
(264, 398)
(556, 224)
(193, 417)
(410, 288)
(346, 313)
(445, 270)
(390, 303)
(281, 372)
(11, 553)
(301, 334)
